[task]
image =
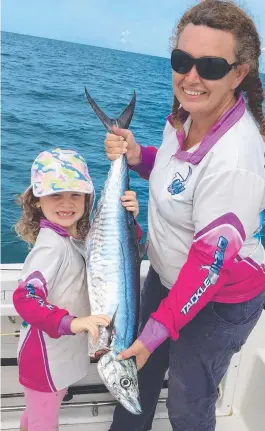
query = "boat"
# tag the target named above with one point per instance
(89, 406)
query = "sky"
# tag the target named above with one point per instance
(142, 26)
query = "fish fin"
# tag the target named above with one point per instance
(143, 249)
(111, 327)
(81, 246)
(92, 205)
(124, 119)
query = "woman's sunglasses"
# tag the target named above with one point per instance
(211, 68)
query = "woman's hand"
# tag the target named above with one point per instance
(138, 350)
(122, 142)
(130, 202)
(89, 324)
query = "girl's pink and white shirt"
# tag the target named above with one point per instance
(52, 290)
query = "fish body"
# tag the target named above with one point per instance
(113, 275)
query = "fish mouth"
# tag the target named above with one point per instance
(120, 377)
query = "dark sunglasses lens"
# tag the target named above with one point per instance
(181, 62)
(212, 68)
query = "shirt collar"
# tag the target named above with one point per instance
(224, 123)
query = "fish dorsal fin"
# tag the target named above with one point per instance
(124, 119)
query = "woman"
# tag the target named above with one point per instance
(205, 289)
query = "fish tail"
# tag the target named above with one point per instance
(123, 121)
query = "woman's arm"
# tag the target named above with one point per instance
(225, 212)
(140, 159)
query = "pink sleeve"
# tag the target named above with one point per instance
(199, 279)
(226, 209)
(65, 325)
(144, 168)
(153, 334)
(30, 302)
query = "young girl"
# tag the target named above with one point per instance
(52, 296)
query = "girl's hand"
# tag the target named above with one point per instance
(90, 324)
(130, 202)
(122, 142)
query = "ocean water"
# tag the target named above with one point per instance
(43, 106)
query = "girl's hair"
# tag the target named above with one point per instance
(226, 16)
(28, 226)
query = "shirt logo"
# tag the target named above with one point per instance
(212, 276)
(178, 184)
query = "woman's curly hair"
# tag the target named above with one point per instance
(28, 226)
(226, 16)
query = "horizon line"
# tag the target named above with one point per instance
(82, 43)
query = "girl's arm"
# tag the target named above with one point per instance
(130, 202)
(30, 297)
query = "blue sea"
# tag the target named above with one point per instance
(43, 106)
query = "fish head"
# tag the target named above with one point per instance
(120, 377)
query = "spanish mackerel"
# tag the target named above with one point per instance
(113, 274)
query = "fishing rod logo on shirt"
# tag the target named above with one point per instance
(212, 276)
(32, 294)
(178, 184)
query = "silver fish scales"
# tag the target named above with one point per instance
(113, 274)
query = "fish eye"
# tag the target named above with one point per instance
(125, 382)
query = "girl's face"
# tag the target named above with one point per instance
(64, 209)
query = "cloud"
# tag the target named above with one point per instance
(124, 38)
(263, 49)
(125, 33)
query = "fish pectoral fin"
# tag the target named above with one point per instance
(111, 327)
(143, 247)
(124, 119)
(81, 246)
